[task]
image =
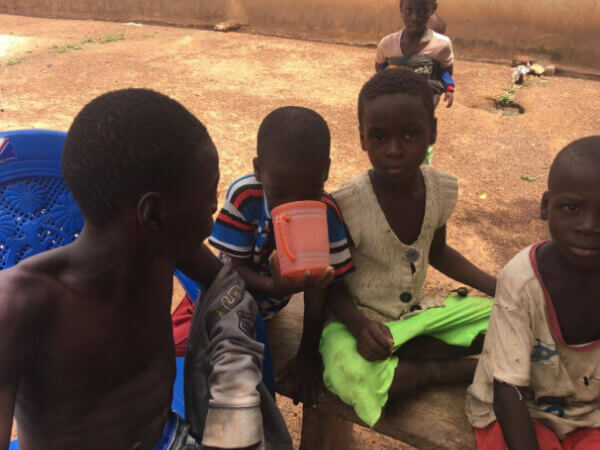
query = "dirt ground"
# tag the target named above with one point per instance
(231, 81)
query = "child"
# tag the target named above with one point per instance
(396, 214)
(292, 164)
(86, 355)
(537, 385)
(420, 48)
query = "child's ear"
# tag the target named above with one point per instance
(544, 206)
(433, 131)
(435, 6)
(362, 138)
(151, 212)
(256, 164)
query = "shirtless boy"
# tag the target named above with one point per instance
(86, 352)
(537, 385)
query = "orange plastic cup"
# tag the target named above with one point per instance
(301, 238)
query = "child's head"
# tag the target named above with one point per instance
(396, 123)
(416, 14)
(293, 155)
(138, 162)
(572, 203)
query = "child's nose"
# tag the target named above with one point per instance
(590, 222)
(396, 147)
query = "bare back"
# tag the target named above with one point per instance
(92, 354)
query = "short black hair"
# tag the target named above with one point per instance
(433, 3)
(395, 81)
(295, 135)
(585, 151)
(128, 142)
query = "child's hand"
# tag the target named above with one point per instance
(375, 342)
(449, 98)
(284, 286)
(305, 371)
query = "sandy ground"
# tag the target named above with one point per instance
(231, 81)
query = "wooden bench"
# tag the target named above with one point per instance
(429, 419)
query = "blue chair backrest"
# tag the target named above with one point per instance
(37, 211)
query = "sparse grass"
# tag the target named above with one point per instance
(74, 45)
(513, 89)
(150, 35)
(13, 61)
(106, 38)
(70, 46)
(529, 178)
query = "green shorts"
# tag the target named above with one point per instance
(363, 384)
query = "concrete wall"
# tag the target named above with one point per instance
(566, 31)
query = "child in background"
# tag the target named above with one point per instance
(420, 49)
(396, 215)
(537, 385)
(292, 164)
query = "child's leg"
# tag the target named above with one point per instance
(491, 438)
(583, 439)
(426, 348)
(411, 375)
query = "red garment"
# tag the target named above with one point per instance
(491, 438)
(182, 317)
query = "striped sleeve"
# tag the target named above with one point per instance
(234, 232)
(339, 251)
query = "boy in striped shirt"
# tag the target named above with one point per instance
(292, 164)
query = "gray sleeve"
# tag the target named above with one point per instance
(224, 366)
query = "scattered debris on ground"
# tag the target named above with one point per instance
(227, 26)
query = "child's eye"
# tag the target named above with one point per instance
(570, 207)
(378, 135)
(411, 134)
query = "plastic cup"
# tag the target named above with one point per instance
(301, 238)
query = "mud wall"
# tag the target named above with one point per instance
(566, 31)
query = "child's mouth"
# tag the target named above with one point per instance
(585, 252)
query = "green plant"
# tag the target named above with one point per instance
(150, 35)
(106, 38)
(13, 61)
(505, 99)
(87, 40)
(513, 89)
(526, 177)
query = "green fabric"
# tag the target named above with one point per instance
(364, 385)
(428, 156)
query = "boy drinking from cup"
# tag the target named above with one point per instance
(292, 164)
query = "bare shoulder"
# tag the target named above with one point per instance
(29, 289)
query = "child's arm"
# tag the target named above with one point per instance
(449, 85)
(451, 263)
(202, 266)
(274, 285)
(20, 317)
(513, 416)
(374, 340)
